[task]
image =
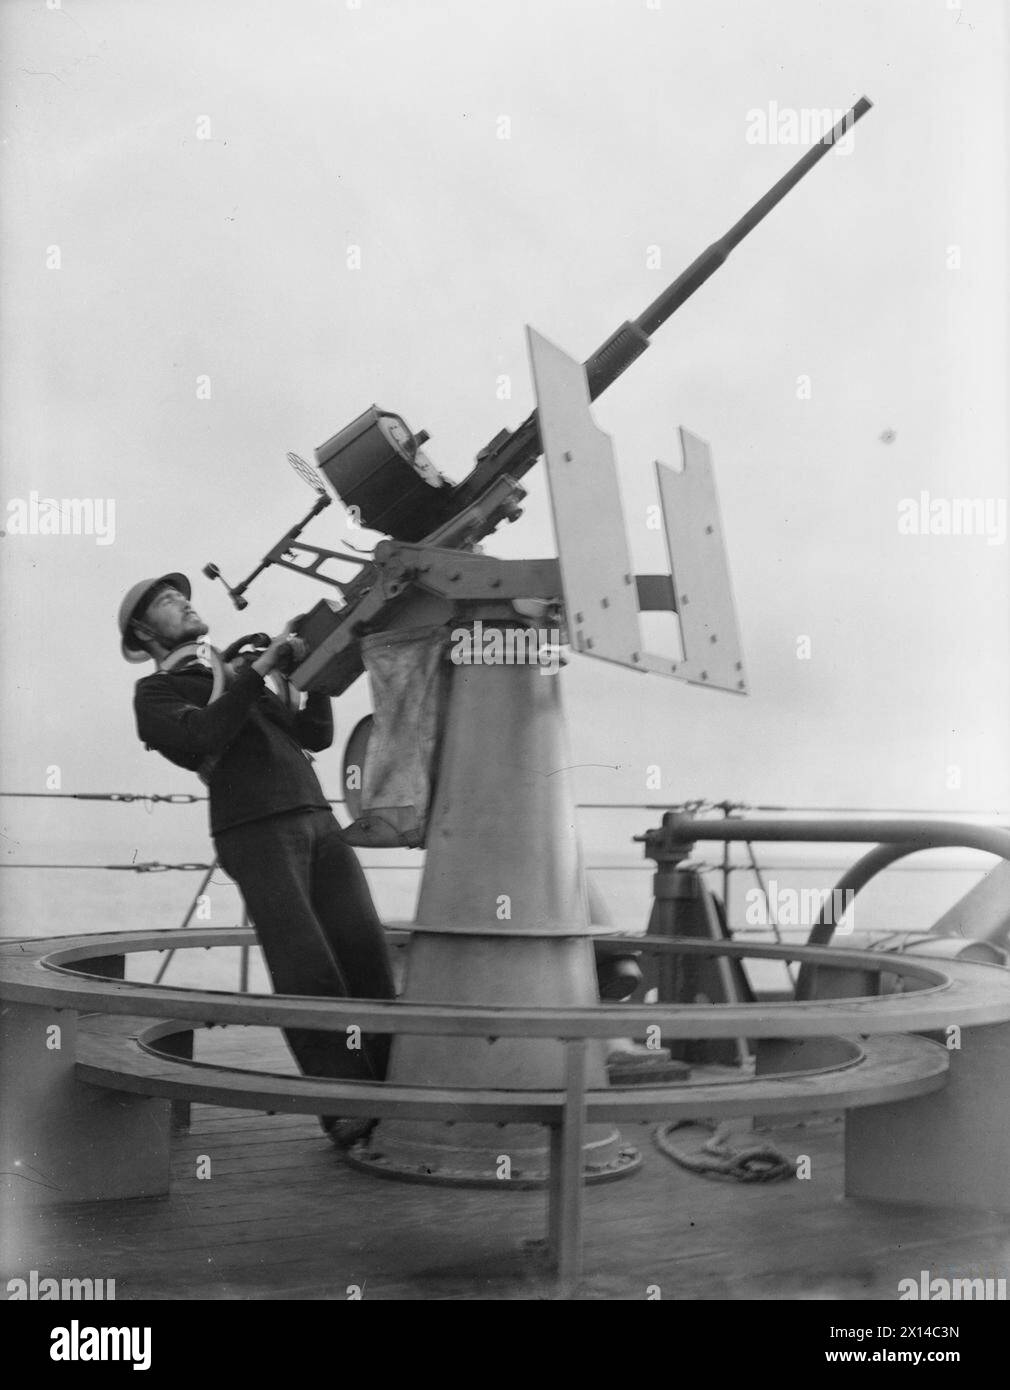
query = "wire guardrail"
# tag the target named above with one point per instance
(724, 866)
(174, 798)
(694, 806)
(148, 866)
(154, 866)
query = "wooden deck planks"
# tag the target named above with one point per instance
(284, 1217)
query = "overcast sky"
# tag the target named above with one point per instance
(329, 125)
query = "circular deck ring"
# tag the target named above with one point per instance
(42, 972)
(122, 1054)
(849, 1052)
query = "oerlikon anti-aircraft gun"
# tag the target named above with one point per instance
(466, 754)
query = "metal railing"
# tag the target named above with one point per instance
(735, 826)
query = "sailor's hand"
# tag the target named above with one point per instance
(285, 652)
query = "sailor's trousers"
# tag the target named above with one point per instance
(313, 914)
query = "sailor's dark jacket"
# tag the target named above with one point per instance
(247, 743)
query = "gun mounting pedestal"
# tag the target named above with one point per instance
(502, 918)
(503, 914)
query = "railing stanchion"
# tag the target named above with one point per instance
(573, 1125)
(243, 958)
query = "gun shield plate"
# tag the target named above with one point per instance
(596, 575)
(602, 594)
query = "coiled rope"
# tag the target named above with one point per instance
(717, 1159)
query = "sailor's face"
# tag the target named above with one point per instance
(173, 619)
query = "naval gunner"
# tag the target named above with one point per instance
(273, 829)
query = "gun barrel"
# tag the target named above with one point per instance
(710, 260)
(514, 453)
